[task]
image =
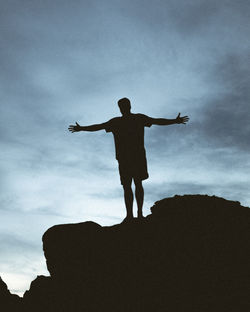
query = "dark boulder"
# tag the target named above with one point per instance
(191, 254)
(8, 301)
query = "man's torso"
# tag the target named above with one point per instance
(128, 134)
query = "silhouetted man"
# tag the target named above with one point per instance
(128, 131)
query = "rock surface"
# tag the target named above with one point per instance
(191, 254)
(8, 301)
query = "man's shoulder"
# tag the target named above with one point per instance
(112, 124)
(114, 120)
(144, 119)
(141, 116)
(136, 115)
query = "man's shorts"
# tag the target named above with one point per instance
(133, 168)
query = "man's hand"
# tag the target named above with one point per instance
(74, 128)
(181, 120)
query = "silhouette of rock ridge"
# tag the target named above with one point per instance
(8, 301)
(191, 254)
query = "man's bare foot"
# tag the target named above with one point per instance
(140, 217)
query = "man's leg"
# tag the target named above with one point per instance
(139, 195)
(128, 197)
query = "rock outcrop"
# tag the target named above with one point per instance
(8, 301)
(191, 254)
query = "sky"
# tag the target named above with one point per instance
(70, 60)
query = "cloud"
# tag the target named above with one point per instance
(108, 194)
(11, 243)
(225, 121)
(229, 190)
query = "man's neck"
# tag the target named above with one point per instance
(127, 115)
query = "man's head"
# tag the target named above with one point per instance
(125, 106)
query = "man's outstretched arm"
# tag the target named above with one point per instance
(165, 122)
(77, 127)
